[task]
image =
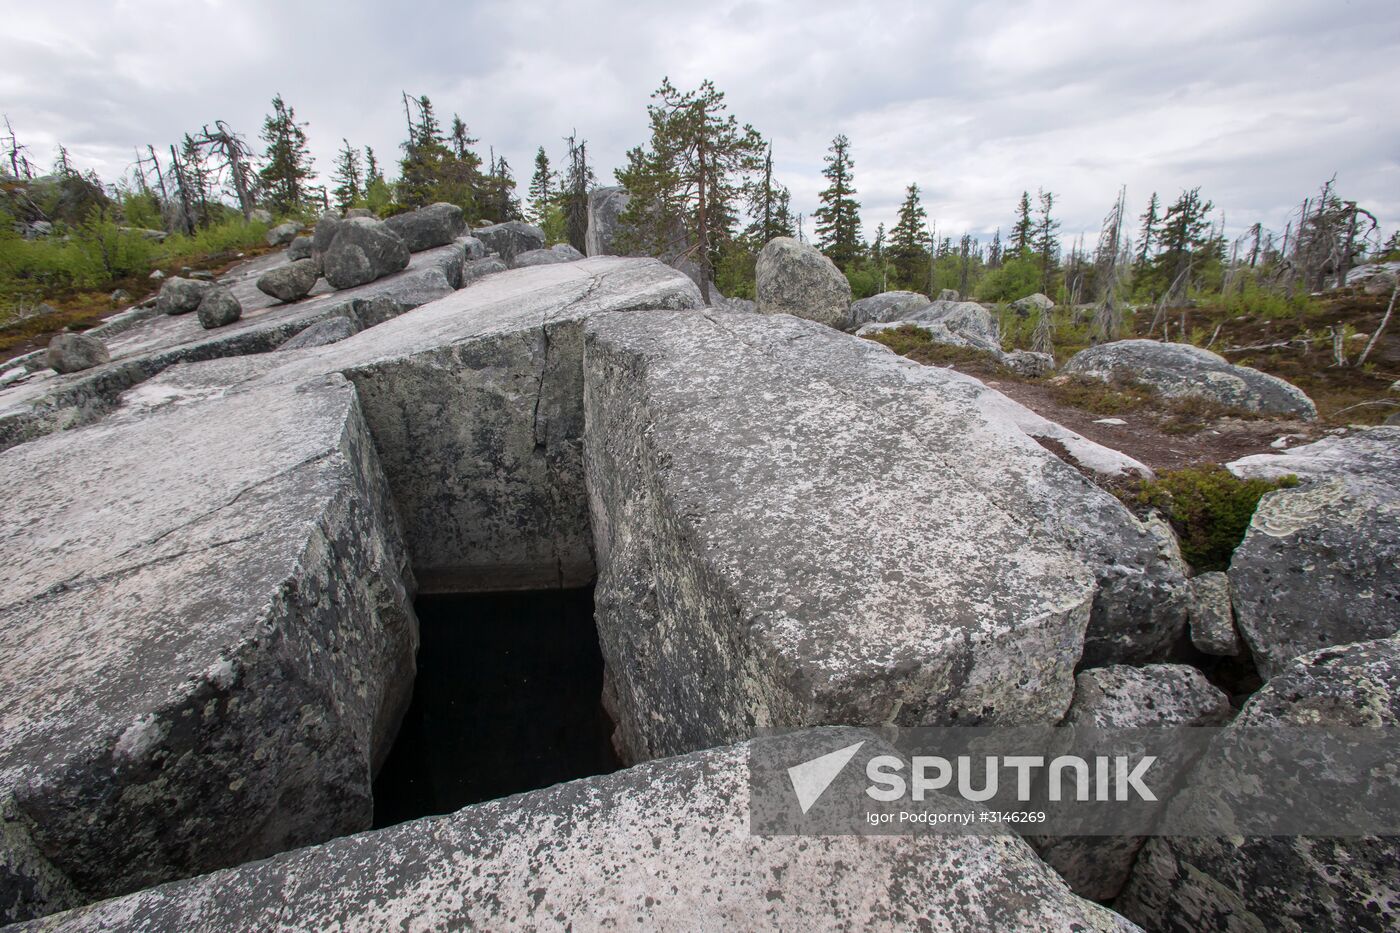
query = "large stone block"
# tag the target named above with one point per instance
(208, 639)
(661, 846)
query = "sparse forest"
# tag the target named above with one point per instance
(704, 193)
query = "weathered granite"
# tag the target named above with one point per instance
(331, 330)
(1320, 563)
(291, 282)
(661, 846)
(510, 239)
(434, 225)
(1212, 621)
(362, 251)
(181, 296)
(720, 448)
(1178, 370)
(1122, 697)
(143, 346)
(886, 306)
(206, 621)
(794, 278)
(1267, 883)
(218, 308)
(73, 353)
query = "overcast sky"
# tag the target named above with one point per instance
(1256, 101)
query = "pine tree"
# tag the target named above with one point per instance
(578, 181)
(1047, 244)
(838, 219)
(690, 175)
(1148, 239)
(287, 161)
(907, 240)
(1023, 230)
(541, 188)
(348, 177)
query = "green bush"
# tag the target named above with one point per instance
(230, 235)
(1015, 279)
(1209, 507)
(1249, 296)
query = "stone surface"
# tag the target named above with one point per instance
(474, 248)
(1320, 563)
(71, 353)
(218, 308)
(206, 648)
(363, 250)
(260, 216)
(1121, 697)
(282, 234)
(474, 269)
(793, 278)
(1285, 882)
(887, 306)
(180, 296)
(510, 239)
(434, 225)
(332, 330)
(605, 209)
(1179, 370)
(291, 282)
(966, 564)
(949, 294)
(661, 846)
(1029, 363)
(1212, 621)
(568, 252)
(1032, 304)
(143, 341)
(300, 248)
(324, 234)
(541, 257)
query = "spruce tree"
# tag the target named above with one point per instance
(1023, 230)
(287, 160)
(541, 188)
(348, 177)
(1184, 240)
(838, 219)
(690, 175)
(770, 207)
(1047, 244)
(1148, 239)
(907, 240)
(372, 172)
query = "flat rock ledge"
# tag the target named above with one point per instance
(206, 620)
(664, 845)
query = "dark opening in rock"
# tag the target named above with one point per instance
(508, 698)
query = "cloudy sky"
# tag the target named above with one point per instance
(1256, 101)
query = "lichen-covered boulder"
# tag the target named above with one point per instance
(218, 308)
(1179, 370)
(474, 269)
(541, 257)
(567, 252)
(1127, 698)
(510, 239)
(362, 251)
(282, 234)
(206, 650)
(887, 306)
(794, 278)
(1280, 882)
(71, 353)
(605, 209)
(291, 282)
(434, 225)
(1032, 304)
(1320, 563)
(300, 248)
(967, 319)
(324, 234)
(665, 845)
(181, 296)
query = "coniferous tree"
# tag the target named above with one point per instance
(498, 196)
(1184, 240)
(994, 251)
(197, 174)
(907, 240)
(348, 177)
(838, 219)
(578, 181)
(1148, 238)
(541, 188)
(1047, 244)
(287, 161)
(770, 207)
(690, 175)
(1023, 230)
(372, 172)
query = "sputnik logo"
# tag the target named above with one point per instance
(811, 778)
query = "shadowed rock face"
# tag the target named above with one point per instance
(1177, 370)
(1191, 883)
(660, 846)
(1320, 563)
(208, 639)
